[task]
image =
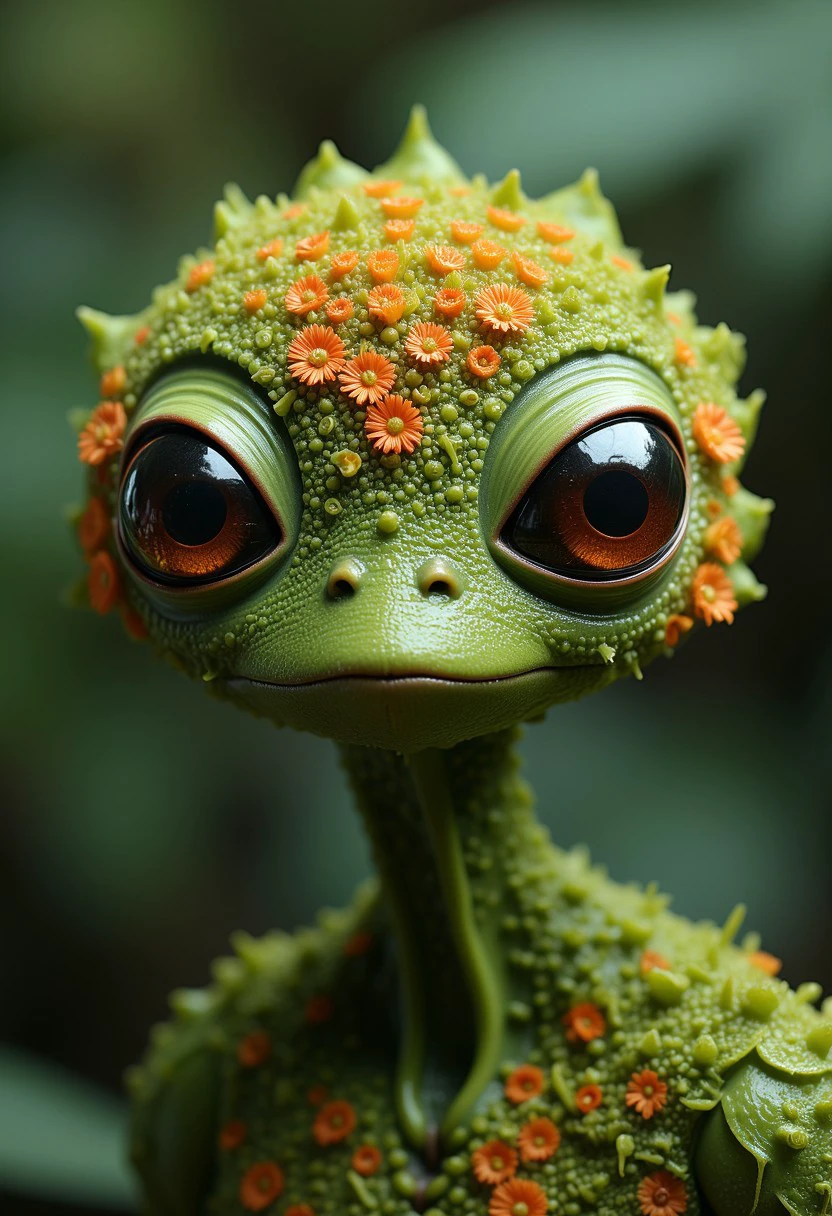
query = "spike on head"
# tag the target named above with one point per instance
(509, 192)
(231, 211)
(584, 207)
(346, 217)
(329, 170)
(109, 335)
(654, 283)
(419, 158)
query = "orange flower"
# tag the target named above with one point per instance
(443, 259)
(394, 425)
(482, 361)
(465, 233)
(539, 1140)
(717, 434)
(765, 962)
(494, 1163)
(588, 1097)
(646, 1093)
(428, 344)
(299, 1209)
(519, 1197)
(674, 318)
(621, 263)
(306, 294)
(509, 221)
(199, 276)
(142, 335)
(366, 1160)
(383, 265)
(503, 309)
(561, 255)
(554, 233)
(103, 435)
(261, 1185)
(358, 944)
(342, 263)
(94, 525)
(402, 208)
(584, 1023)
(487, 254)
(523, 1083)
(661, 1194)
(316, 355)
(103, 583)
(677, 624)
(387, 302)
(134, 626)
(254, 1049)
(272, 249)
(292, 213)
(319, 1009)
(399, 230)
(683, 354)
(113, 382)
(529, 272)
(650, 960)
(723, 540)
(232, 1135)
(252, 300)
(449, 301)
(459, 191)
(713, 594)
(380, 189)
(333, 1122)
(368, 378)
(730, 485)
(317, 1095)
(339, 310)
(310, 248)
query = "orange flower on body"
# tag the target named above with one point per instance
(316, 355)
(292, 213)
(683, 354)
(394, 425)
(103, 435)
(662, 1194)
(399, 230)
(342, 263)
(103, 583)
(677, 624)
(494, 1163)
(232, 1135)
(94, 525)
(305, 295)
(539, 1140)
(518, 1197)
(340, 310)
(366, 1160)
(367, 378)
(723, 540)
(713, 594)
(113, 382)
(651, 960)
(621, 263)
(261, 1185)
(199, 276)
(554, 233)
(387, 302)
(319, 1009)
(730, 485)
(428, 344)
(561, 255)
(380, 189)
(142, 335)
(529, 272)
(503, 309)
(523, 1083)
(487, 254)
(717, 433)
(589, 1097)
(134, 626)
(765, 962)
(646, 1093)
(333, 1122)
(443, 259)
(254, 1049)
(383, 265)
(449, 301)
(584, 1023)
(310, 248)
(509, 221)
(272, 249)
(464, 232)
(252, 300)
(482, 361)
(401, 208)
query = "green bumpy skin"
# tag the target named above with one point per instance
(392, 618)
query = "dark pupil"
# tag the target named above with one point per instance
(194, 512)
(616, 503)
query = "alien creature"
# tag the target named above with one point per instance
(404, 460)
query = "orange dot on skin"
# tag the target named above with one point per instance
(402, 208)
(449, 301)
(342, 263)
(683, 354)
(444, 259)
(316, 355)
(562, 256)
(716, 433)
(305, 295)
(538, 1140)
(508, 221)
(502, 309)
(368, 378)
(494, 1163)
(588, 1097)
(340, 310)
(261, 1185)
(677, 624)
(232, 1135)
(662, 1194)
(292, 213)
(518, 1197)
(94, 525)
(399, 230)
(253, 300)
(650, 960)
(380, 189)
(310, 248)
(487, 254)
(529, 272)
(554, 234)
(723, 540)
(621, 263)
(713, 594)
(766, 962)
(134, 626)
(272, 249)
(584, 1023)
(393, 425)
(103, 583)
(113, 382)
(103, 435)
(646, 1093)
(199, 276)
(482, 361)
(523, 1083)
(366, 1160)
(383, 265)
(465, 232)
(333, 1122)
(254, 1049)
(386, 303)
(428, 344)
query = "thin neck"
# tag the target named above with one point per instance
(448, 831)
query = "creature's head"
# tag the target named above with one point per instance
(407, 458)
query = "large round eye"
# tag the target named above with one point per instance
(607, 506)
(187, 515)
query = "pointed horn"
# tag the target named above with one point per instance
(329, 170)
(346, 217)
(509, 192)
(232, 210)
(109, 335)
(653, 284)
(419, 158)
(585, 208)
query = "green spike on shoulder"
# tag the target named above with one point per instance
(231, 211)
(583, 205)
(346, 215)
(509, 192)
(109, 335)
(752, 514)
(747, 413)
(654, 283)
(329, 170)
(419, 158)
(725, 348)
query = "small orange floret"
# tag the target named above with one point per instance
(562, 256)
(494, 1163)
(272, 249)
(554, 234)
(518, 1197)
(487, 254)
(646, 1093)
(394, 425)
(717, 433)
(113, 382)
(449, 301)
(366, 1160)
(254, 1049)
(621, 263)
(387, 303)
(401, 208)
(508, 221)
(261, 1185)
(133, 623)
(383, 265)
(443, 259)
(142, 335)
(252, 300)
(588, 1097)
(368, 378)
(683, 354)
(723, 540)
(199, 276)
(103, 435)
(319, 1009)
(677, 624)
(103, 583)
(662, 1194)
(428, 344)
(310, 248)
(340, 310)
(94, 525)
(399, 230)
(713, 594)
(380, 189)
(316, 355)
(523, 1083)
(292, 213)
(232, 1135)
(464, 232)
(766, 962)
(333, 1122)
(539, 1140)
(584, 1023)
(342, 263)
(305, 295)
(650, 960)
(482, 361)
(502, 309)
(529, 272)
(730, 485)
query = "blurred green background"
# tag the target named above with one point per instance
(142, 822)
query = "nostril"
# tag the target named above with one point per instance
(439, 577)
(344, 579)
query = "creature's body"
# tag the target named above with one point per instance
(393, 558)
